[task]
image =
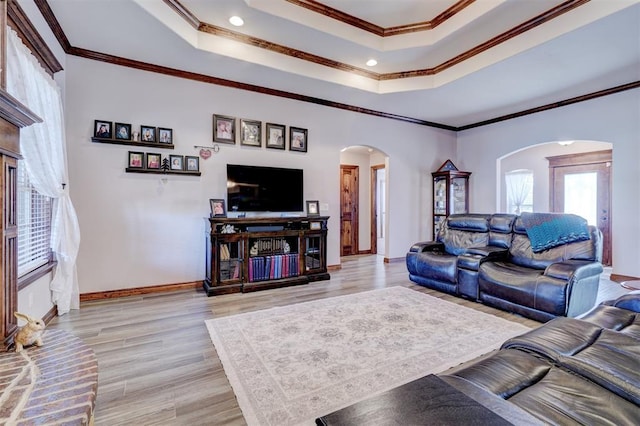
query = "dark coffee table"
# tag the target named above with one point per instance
(426, 401)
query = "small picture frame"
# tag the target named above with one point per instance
(136, 160)
(154, 161)
(218, 208)
(251, 133)
(176, 162)
(192, 163)
(313, 208)
(147, 134)
(298, 139)
(224, 129)
(165, 135)
(275, 136)
(102, 129)
(123, 131)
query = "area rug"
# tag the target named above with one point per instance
(291, 364)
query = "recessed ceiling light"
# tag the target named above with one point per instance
(372, 63)
(566, 143)
(236, 21)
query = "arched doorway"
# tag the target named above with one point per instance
(363, 196)
(553, 166)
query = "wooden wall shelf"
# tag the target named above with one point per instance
(133, 143)
(162, 172)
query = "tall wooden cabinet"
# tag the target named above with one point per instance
(248, 254)
(13, 116)
(450, 193)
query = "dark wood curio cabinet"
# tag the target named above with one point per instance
(450, 193)
(248, 254)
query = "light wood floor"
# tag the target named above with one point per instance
(157, 365)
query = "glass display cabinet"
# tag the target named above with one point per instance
(450, 193)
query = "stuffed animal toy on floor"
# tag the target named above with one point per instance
(29, 334)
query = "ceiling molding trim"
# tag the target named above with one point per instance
(87, 54)
(284, 50)
(338, 15)
(559, 104)
(53, 23)
(184, 13)
(495, 41)
(144, 66)
(19, 21)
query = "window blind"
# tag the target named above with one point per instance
(34, 225)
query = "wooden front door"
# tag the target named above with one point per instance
(581, 184)
(348, 210)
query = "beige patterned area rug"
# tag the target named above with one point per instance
(291, 364)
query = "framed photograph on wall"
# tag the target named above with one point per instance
(136, 160)
(147, 134)
(192, 163)
(123, 131)
(251, 133)
(275, 136)
(313, 208)
(102, 129)
(165, 135)
(224, 129)
(218, 208)
(154, 161)
(298, 139)
(176, 162)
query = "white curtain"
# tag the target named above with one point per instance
(44, 150)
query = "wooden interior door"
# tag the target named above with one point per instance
(587, 179)
(349, 210)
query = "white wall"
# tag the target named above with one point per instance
(139, 231)
(613, 119)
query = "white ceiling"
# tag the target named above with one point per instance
(593, 47)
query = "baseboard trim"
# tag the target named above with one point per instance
(334, 267)
(136, 291)
(621, 278)
(53, 312)
(393, 259)
(364, 252)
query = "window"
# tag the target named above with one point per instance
(34, 225)
(519, 191)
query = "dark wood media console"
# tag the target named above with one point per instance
(249, 254)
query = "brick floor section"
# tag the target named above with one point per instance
(50, 385)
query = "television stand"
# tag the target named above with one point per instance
(249, 254)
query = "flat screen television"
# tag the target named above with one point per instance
(264, 189)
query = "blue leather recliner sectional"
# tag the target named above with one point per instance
(491, 258)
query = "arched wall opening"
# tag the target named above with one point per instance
(372, 198)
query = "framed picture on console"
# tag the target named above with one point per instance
(297, 139)
(275, 136)
(313, 208)
(218, 208)
(224, 129)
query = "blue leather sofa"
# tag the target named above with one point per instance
(489, 258)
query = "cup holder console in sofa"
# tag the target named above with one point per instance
(490, 258)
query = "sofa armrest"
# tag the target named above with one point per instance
(630, 302)
(576, 269)
(426, 246)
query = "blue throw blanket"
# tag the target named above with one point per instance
(548, 230)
